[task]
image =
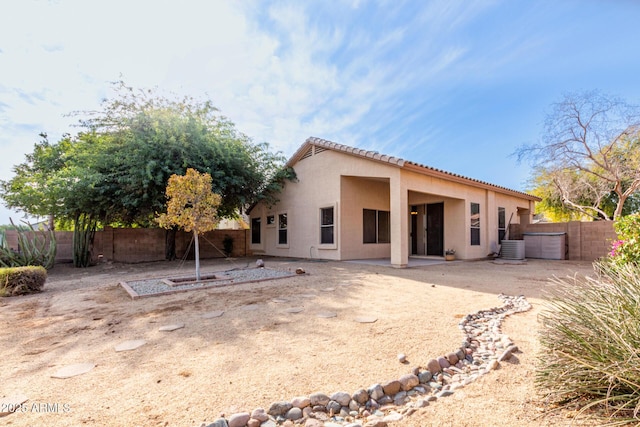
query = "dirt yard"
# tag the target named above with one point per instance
(257, 353)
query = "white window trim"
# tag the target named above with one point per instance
(278, 244)
(334, 245)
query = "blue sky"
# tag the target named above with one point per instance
(456, 85)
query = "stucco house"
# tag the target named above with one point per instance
(351, 204)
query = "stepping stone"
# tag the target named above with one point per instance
(171, 328)
(250, 307)
(212, 314)
(326, 315)
(73, 370)
(294, 310)
(328, 289)
(366, 319)
(11, 404)
(130, 345)
(280, 300)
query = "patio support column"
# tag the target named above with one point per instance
(399, 219)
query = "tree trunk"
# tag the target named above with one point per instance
(170, 244)
(195, 237)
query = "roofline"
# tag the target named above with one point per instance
(405, 164)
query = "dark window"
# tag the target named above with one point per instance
(502, 224)
(375, 226)
(475, 224)
(384, 227)
(326, 226)
(271, 220)
(255, 231)
(282, 229)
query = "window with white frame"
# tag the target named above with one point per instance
(375, 226)
(282, 229)
(475, 224)
(327, 229)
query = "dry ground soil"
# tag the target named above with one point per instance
(257, 353)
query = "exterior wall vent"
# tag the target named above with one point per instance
(309, 153)
(512, 249)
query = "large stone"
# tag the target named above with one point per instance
(361, 396)
(320, 399)
(333, 407)
(376, 391)
(341, 397)
(239, 420)
(293, 414)
(260, 414)
(130, 345)
(392, 387)
(452, 358)
(433, 366)
(311, 422)
(301, 402)
(443, 362)
(425, 377)
(73, 370)
(220, 422)
(253, 423)
(409, 381)
(171, 328)
(279, 408)
(12, 404)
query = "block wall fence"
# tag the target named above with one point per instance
(586, 241)
(133, 245)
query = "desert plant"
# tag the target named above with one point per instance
(22, 280)
(35, 247)
(590, 340)
(227, 245)
(626, 249)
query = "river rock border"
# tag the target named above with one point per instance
(483, 348)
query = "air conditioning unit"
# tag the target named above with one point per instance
(512, 249)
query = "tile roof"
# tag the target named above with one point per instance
(405, 164)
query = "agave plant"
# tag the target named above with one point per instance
(35, 247)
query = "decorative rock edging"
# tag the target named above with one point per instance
(482, 350)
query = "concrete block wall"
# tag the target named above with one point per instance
(132, 245)
(586, 241)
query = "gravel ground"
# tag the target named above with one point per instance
(159, 286)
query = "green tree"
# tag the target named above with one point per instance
(192, 206)
(589, 156)
(116, 169)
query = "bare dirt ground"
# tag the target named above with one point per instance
(250, 358)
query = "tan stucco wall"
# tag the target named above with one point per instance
(352, 183)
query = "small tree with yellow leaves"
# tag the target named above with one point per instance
(192, 206)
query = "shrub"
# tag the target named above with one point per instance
(590, 343)
(626, 249)
(22, 280)
(35, 247)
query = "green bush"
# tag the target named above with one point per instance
(590, 341)
(626, 249)
(21, 280)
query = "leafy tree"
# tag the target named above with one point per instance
(589, 156)
(192, 206)
(115, 171)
